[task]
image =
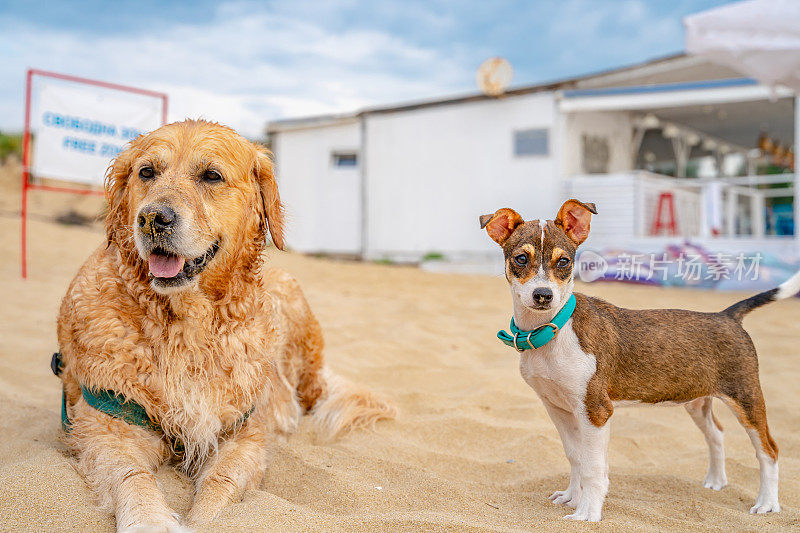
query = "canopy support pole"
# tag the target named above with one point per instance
(796, 204)
(681, 149)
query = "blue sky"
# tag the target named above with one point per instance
(243, 63)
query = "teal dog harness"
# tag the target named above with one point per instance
(113, 404)
(522, 340)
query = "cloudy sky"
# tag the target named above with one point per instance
(244, 63)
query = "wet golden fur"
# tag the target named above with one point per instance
(197, 359)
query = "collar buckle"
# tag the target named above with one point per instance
(527, 337)
(555, 328)
(516, 336)
(516, 342)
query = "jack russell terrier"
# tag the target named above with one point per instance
(584, 356)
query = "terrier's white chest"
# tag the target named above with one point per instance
(560, 370)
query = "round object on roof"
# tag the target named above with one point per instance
(494, 76)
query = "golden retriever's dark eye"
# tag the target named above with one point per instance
(521, 260)
(212, 176)
(147, 173)
(563, 262)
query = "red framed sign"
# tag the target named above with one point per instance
(74, 127)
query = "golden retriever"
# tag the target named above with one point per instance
(175, 314)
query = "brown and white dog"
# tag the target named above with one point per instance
(606, 356)
(176, 314)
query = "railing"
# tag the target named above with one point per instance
(725, 207)
(746, 211)
(686, 204)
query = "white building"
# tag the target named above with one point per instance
(408, 181)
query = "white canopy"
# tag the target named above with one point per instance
(759, 38)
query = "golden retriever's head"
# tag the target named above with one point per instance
(192, 200)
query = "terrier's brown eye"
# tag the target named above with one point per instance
(146, 173)
(521, 260)
(563, 262)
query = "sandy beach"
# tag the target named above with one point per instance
(472, 448)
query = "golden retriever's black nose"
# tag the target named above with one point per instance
(156, 219)
(542, 296)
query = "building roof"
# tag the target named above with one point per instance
(672, 68)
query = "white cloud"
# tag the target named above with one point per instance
(613, 32)
(248, 65)
(255, 61)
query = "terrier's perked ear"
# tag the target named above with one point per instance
(501, 224)
(575, 217)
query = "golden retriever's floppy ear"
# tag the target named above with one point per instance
(116, 182)
(501, 224)
(575, 217)
(273, 208)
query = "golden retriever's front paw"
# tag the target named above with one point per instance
(204, 511)
(194, 522)
(172, 527)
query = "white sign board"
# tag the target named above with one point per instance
(79, 129)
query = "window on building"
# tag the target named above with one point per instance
(345, 159)
(531, 142)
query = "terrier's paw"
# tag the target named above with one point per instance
(568, 497)
(715, 482)
(765, 506)
(586, 516)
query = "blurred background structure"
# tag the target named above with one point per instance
(688, 146)
(697, 146)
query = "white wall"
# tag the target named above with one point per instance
(323, 202)
(431, 172)
(615, 127)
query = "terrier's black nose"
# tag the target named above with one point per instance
(542, 296)
(156, 218)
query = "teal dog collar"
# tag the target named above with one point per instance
(522, 340)
(115, 405)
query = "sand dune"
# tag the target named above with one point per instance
(472, 449)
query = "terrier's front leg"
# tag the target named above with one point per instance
(238, 465)
(119, 462)
(567, 426)
(593, 470)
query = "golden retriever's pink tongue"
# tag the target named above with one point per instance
(165, 266)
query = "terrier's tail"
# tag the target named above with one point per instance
(344, 406)
(787, 289)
